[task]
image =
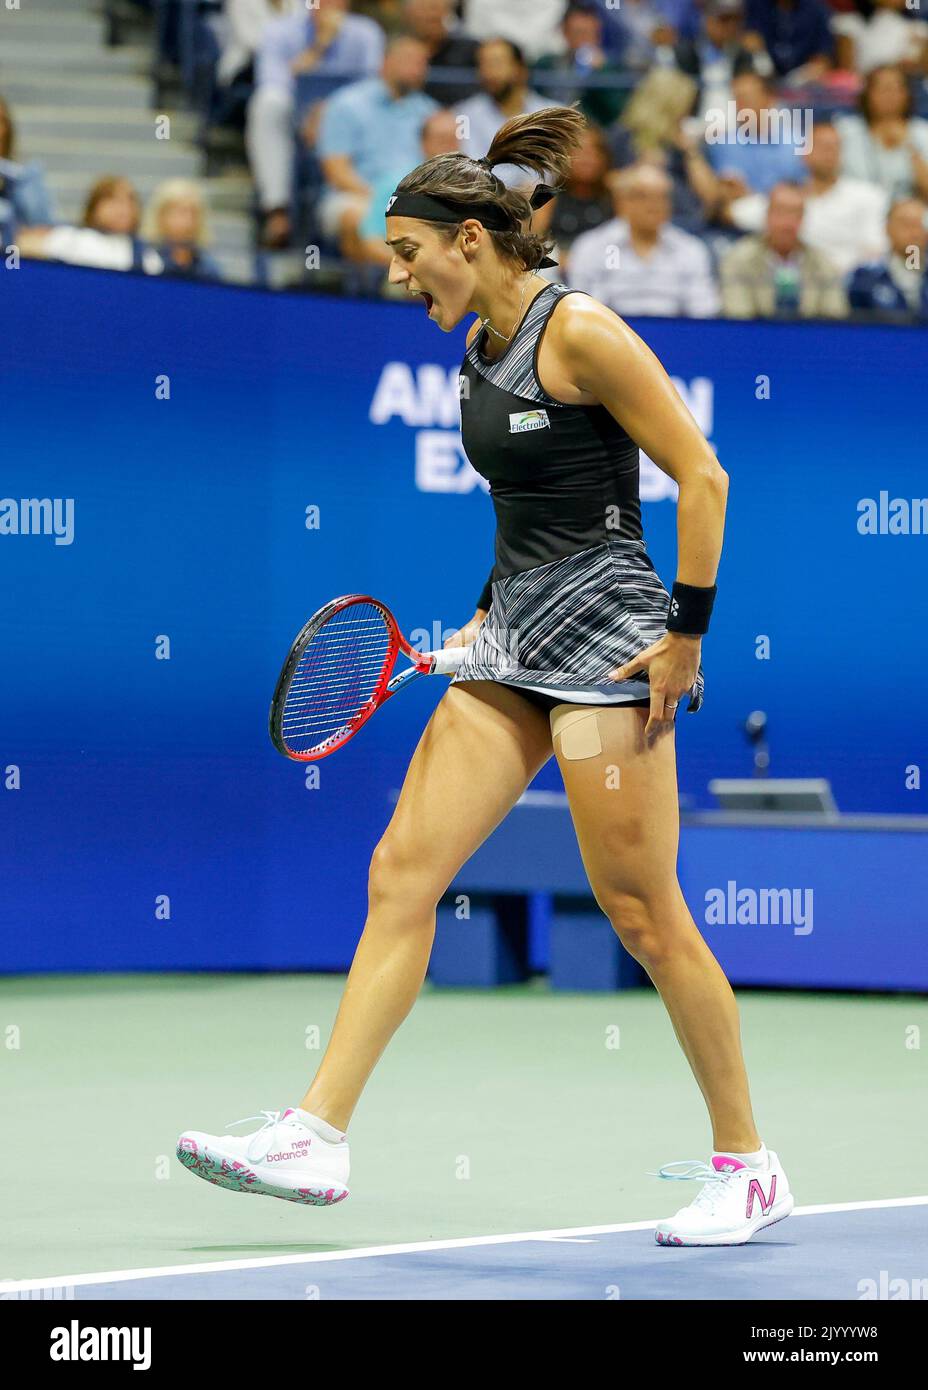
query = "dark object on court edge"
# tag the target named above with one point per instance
(755, 727)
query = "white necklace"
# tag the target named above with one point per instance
(507, 337)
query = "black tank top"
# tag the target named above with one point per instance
(562, 477)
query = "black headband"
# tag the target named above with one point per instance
(428, 208)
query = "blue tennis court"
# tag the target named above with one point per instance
(846, 1252)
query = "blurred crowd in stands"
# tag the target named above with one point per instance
(749, 158)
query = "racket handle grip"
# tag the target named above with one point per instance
(447, 661)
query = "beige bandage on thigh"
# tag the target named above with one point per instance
(578, 729)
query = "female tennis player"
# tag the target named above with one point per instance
(575, 648)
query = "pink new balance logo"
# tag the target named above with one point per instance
(297, 1150)
(755, 1190)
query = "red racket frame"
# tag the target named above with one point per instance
(424, 663)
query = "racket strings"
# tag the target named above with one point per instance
(336, 676)
(330, 665)
(330, 673)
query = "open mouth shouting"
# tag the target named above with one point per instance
(429, 301)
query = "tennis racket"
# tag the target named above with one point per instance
(338, 673)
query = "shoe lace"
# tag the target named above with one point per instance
(716, 1183)
(272, 1118)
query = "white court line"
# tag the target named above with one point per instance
(566, 1240)
(117, 1276)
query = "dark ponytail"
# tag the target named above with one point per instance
(543, 141)
(540, 140)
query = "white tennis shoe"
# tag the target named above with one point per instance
(734, 1203)
(284, 1158)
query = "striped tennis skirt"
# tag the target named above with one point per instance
(558, 629)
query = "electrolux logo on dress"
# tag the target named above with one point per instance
(526, 420)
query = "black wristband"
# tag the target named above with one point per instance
(486, 596)
(690, 609)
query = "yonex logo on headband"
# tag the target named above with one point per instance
(428, 207)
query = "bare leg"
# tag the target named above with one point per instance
(478, 753)
(628, 836)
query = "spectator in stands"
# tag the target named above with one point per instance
(886, 144)
(107, 238)
(585, 201)
(647, 32)
(371, 131)
(887, 33)
(583, 55)
(720, 53)
(24, 197)
(387, 13)
(653, 127)
(795, 34)
(505, 92)
(113, 206)
(430, 22)
(844, 218)
(639, 263)
(533, 24)
(776, 274)
(176, 224)
(439, 136)
(897, 285)
(683, 17)
(242, 32)
(324, 40)
(770, 154)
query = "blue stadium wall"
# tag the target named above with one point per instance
(145, 820)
